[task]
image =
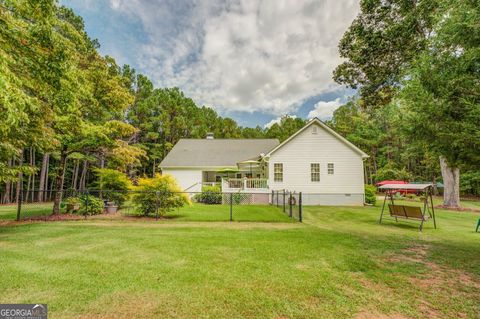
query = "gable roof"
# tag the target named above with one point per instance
(216, 152)
(326, 128)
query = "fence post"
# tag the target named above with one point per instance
(231, 206)
(277, 198)
(273, 194)
(19, 204)
(284, 201)
(290, 204)
(300, 207)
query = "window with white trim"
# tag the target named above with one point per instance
(315, 172)
(278, 172)
(330, 169)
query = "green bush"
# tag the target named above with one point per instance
(160, 192)
(90, 205)
(70, 204)
(370, 194)
(72, 201)
(114, 185)
(210, 195)
(470, 183)
(390, 172)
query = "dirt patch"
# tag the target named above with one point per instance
(437, 277)
(436, 274)
(376, 315)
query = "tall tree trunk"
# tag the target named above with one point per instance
(451, 181)
(75, 175)
(19, 184)
(33, 175)
(43, 184)
(8, 187)
(29, 176)
(83, 177)
(59, 182)
(153, 168)
(102, 161)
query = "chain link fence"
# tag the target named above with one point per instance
(289, 202)
(132, 204)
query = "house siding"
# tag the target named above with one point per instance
(186, 178)
(344, 187)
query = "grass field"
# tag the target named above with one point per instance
(194, 212)
(339, 263)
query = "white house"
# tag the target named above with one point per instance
(316, 161)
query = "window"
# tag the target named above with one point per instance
(330, 168)
(239, 175)
(315, 172)
(278, 172)
(314, 130)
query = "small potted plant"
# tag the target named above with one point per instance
(73, 204)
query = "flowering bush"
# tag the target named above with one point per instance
(160, 193)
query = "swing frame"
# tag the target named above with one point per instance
(425, 189)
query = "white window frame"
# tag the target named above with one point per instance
(315, 172)
(331, 168)
(278, 172)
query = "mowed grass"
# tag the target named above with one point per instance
(193, 212)
(339, 263)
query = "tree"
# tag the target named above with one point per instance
(381, 42)
(285, 128)
(441, 93)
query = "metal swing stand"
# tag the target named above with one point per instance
(409, 212)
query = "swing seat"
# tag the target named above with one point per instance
(407, 212)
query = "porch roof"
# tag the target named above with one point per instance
(216, 152)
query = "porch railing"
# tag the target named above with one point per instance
(245, 183)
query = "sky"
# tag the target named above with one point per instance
(252, 60)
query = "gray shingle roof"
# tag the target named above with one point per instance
(216, 152)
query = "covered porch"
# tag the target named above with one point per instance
(248, 176)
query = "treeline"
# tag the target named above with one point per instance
(66, 110)
(416, 65)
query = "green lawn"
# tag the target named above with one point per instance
(338, 264)
(9, 212)
(194, 212)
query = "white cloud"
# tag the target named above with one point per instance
(324, 110)
(278, 120)
(242, 55)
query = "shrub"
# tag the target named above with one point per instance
(390, 172)
(210, 195)
(91, 205)
(72, 204)
(470, 183)
(72, 201)
(370, 194)
(114, 185)
(160, 192)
